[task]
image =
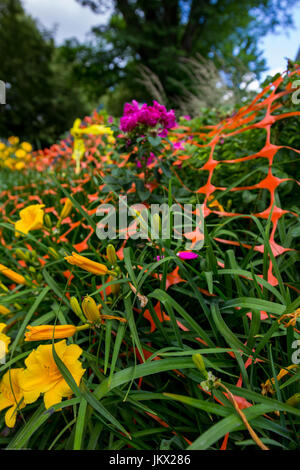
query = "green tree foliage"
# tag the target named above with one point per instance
(41, 100)
(159, 33)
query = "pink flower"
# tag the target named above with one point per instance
(178, 145)
(187, 255)
(149, 116)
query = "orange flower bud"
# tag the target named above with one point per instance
(12, 275)
(44, 332)
(87, 264)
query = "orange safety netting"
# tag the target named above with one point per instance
(244, 120)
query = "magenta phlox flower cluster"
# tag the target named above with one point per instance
(149, 116)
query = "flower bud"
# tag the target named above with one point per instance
(199, 363)
(111, 254)
(47, 221)
(115, 288)
(20, 254)
(91, 310)
(33, 256)
(53, 252)
(66, 210)
(3, 287)
(294, 400)
(76, 308)
(27, 256)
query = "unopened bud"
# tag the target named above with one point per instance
(28, 280)
(20, 254)
(111, 254)
(66, 210)
(76, 308)
(115, 288)
(199, 363)
(294, 400)
(27, 255)
(53, 252)
(3, 287)
(47, 221)
(91, 310)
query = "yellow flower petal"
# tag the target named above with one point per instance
(52, 397)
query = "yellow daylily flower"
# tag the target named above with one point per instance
(78, 152)
(78, 149)
(31, 218)
(76, 127)
(4, 341)
(15, 277)
(11, 395)
(87, 264)
(97, 129)
(44, 332)
(42, 375)
(94, 129)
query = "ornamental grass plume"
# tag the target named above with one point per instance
(11, 395)
(42, 375)
(44, 332)
(87, 264)
(31, 218)
(12, 275)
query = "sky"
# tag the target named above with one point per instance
(72, 20)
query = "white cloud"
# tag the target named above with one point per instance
(69, 18)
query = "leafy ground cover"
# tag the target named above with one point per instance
(135, 343)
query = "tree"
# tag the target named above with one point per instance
(159, 33)
(40, 102)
